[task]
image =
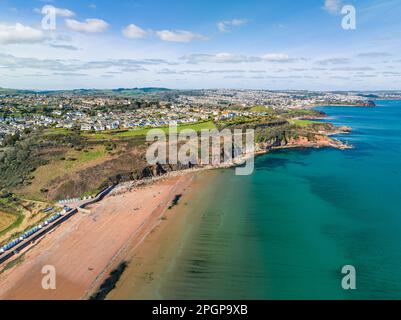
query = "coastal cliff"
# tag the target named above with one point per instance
(285, 140)
(369, 103)
(128, 167)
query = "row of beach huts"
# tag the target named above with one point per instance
(7, 249)
(74, 200)
(34, 230)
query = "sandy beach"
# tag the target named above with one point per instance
(156, 256)
(86, 248)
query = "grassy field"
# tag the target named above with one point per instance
(16, 215)
(115, 134)
(302, 123)
(73, 161)
(6, 221)
(107, 135)
(56, 132)
(261, 109)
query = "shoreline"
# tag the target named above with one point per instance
(55, 248)
(127, 250)
(146, 266)
(132, 251)
(84, 248)
(337, 105)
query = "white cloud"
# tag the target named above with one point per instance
(330, 61)
(89, 26)
(276, 57)
(332, 6)
(18, 33)
(224, 26)
(233, 58)
(374, 55)
(13, 62)
(63, 46)
(134, 32)
(178, 36)
(218, 58)
(229, 58)
(61, 12)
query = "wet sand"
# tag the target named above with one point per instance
(148, 263)
(86, 248)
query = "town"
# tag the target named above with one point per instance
(101, 110)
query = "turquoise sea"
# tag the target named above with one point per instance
(286, 231)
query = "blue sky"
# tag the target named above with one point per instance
(261, 44)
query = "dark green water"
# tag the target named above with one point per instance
(286, 231)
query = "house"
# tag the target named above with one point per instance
(99, 127)
(113, 126)
(86, 127)
(69, 125)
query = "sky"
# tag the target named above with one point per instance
(197, 44)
